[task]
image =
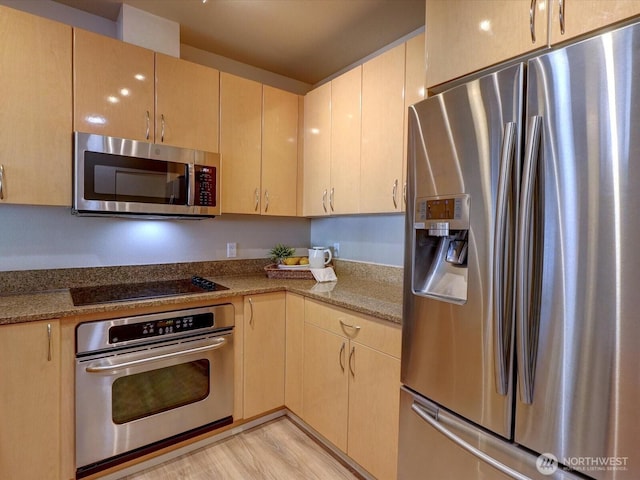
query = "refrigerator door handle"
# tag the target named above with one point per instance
(430, 416)
(527, 257)
(502, 313)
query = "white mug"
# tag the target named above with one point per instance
(317, 257)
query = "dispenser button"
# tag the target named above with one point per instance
(439, 229)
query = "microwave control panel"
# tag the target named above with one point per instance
(205, 185)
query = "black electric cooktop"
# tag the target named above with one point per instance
(138, 291)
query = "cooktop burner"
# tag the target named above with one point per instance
(138, 291)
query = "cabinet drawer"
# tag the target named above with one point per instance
(377, 334)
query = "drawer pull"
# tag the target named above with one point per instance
(346, 325)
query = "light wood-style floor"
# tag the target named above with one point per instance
(277, 450)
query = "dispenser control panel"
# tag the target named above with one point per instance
(442, 213)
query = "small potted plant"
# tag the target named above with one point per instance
(280, 252)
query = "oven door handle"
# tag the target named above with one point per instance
(218, 343)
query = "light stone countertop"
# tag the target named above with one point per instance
(359, 293)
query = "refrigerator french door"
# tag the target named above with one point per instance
(521, 323)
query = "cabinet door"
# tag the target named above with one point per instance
(35, 117)
(279, 151)
(414, 90)
(30, 401)
(374, 402)
(582, 16)
(264, 351)
(113, 87)
(382, 132)
(346, 93)
(469, 35)
(317, 150)
(240, 143)
(325, 390)
(187, 104)
(294, 353)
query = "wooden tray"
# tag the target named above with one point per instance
(274, 272)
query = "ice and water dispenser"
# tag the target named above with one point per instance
(441, 231)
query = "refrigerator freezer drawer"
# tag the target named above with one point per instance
(448, 448)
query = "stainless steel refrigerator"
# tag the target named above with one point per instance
(521, 336)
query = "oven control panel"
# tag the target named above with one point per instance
(156, 328)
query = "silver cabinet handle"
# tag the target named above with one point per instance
(256, 194)
(404, 193)
(352, 356)
(219, 342)
(1, 182)
(532, 20)
(341, 356)
(561, 14)
(251, 307)
(148, 125)
(394, 192)
(502, 268)
(331, 198)
(49, 342)
(324, 200)
(527, 265)
(162, 129)
(266, 199)
(346, 325)
(431, 417)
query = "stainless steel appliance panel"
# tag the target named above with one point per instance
(437, 445)
(579, 344)
(121, 177)
(456, 141)
(138, 393)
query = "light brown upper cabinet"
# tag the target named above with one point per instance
(469, 35)
(259, 147)
(346, 119)
(240, 143)
(122, 90)
(187, 104)
(279, 180)
(414, 91)
(382, 138)
(317, 151)
(35, 117)
(571, 18)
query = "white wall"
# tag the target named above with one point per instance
(50, 237)
(367, 238)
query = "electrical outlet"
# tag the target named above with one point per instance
(232, 250)
(336, 249)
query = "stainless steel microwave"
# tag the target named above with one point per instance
(115, 176)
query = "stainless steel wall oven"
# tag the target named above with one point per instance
(145, 382)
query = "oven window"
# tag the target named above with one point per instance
(119, 178)
(148, 393)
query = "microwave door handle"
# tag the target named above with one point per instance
(113, 369)
(191, 185)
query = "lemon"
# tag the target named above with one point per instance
(291, 260)
(304, 261)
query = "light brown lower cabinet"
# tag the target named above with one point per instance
(264, 352)
(30, 401)
(351, 386)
